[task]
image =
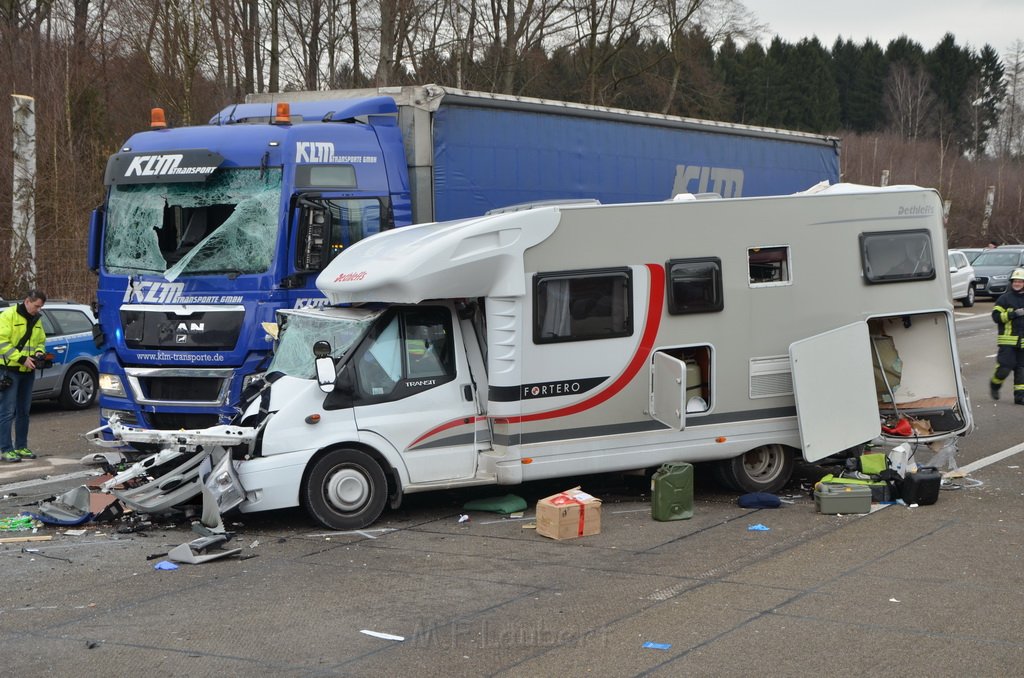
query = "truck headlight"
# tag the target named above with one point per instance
(110, 384)
(252, 378)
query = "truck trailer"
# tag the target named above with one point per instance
(533, 344)
(207, 231)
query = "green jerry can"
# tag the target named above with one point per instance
(672, 492)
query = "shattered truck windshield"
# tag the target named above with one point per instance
(227, 224)
(293, 354)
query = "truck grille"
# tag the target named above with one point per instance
(174, 421)
(182, 328)
(179, 386)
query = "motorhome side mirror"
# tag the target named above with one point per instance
(312, 240)
(325, 374)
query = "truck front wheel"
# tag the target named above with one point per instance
(345, 489)
(763, 469)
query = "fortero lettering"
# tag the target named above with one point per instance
(554, 388)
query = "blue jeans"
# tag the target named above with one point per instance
(15, 402)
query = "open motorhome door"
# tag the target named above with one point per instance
(834, 387)
(668, 391)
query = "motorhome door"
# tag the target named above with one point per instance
(834, 388)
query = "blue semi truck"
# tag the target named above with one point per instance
(207, 231)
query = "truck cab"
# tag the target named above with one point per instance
(207, 231)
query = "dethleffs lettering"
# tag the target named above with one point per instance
(350, 277)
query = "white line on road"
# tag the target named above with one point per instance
(991, 459)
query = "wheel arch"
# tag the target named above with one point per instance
(391, 474)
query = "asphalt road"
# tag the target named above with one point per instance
(928, 591)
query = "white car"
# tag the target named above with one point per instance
(961, 278)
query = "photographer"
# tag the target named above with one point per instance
(22, 342)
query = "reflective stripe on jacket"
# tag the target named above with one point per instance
(12, 328)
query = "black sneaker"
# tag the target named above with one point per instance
(994, 390)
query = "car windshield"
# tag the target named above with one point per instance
(293, 354)
(226, 224)
(997, 258)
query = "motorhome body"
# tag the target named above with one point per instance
(580, 339)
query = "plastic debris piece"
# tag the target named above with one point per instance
(505, 504)
(893, 600)
(464, 518)
(378, 634)
(165, 565)
(657, 646)
(17, 523)
(758, 528)
(254, 544)
(75, 533)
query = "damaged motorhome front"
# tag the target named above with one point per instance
(569, 340)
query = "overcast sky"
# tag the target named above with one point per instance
(973, 22)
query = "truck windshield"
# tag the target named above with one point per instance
(293, 354)
(227, 224)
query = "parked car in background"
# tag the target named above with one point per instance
(961, 278)
(993, 267)
(972, 252)
(72, 380)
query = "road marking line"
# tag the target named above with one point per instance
(991, 459)
(49, 479)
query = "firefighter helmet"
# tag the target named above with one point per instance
(1018, 274)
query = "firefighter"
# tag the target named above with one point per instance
(1008, 313)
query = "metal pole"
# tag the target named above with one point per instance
(23, 212)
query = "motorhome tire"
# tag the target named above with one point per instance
(345, 489)
(763, 469)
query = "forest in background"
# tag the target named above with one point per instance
(947, 116)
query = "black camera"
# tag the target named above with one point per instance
(43, 360)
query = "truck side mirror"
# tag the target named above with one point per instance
(95, 234)
(312, 241)
(325, 374)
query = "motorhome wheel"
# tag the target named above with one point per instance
(345, 489)
(762, 469)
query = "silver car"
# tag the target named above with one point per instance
(961, 278)
(993, 267)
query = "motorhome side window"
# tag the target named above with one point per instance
(895, 256)
(769, 266)
(694, 285)
(582, 305)
(414, 351)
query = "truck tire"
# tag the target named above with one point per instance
(763, 469)
(79, 389)
(345, 489)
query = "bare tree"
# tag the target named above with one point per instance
(909, 100)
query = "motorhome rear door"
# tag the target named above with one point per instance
(834, 387)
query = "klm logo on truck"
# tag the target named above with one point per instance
(162, 165)
(323, 152)
(725, 181)
(146, 292)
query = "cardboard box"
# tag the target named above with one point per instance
(569, 514)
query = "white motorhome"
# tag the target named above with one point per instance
(576, 339)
